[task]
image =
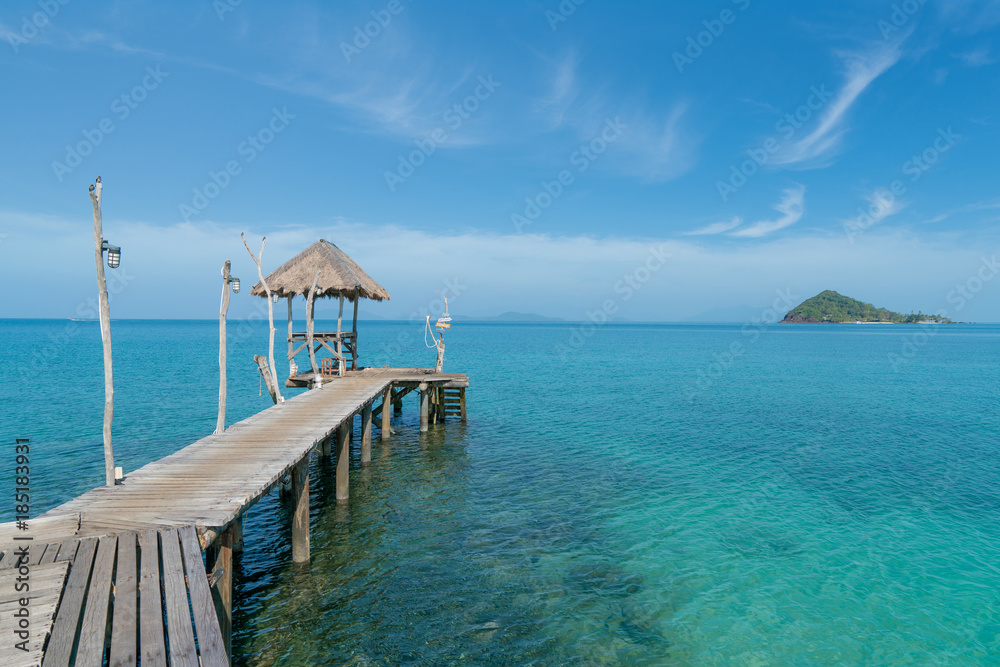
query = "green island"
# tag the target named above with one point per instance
(831, 307)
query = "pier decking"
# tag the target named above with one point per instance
(170, 510)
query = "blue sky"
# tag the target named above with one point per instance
(673, 158)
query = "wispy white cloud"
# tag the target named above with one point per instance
(716, 228)
(978, 57)
(791, 207)
(861, 70)
(562, 91)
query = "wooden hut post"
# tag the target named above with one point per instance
(354, 329)
(343, 461)
(340, 344)
(109, 384)
(300, 520)
(424, 400)
(270, 315)
(366, 434)
(292, 368)
(310, 331)
(220, 424)
(386, 401)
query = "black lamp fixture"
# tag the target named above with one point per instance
(114, 254)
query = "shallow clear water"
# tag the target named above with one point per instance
(655, 496)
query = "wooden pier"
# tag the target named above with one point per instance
(119, 573)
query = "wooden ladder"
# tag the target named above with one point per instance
(454, 402)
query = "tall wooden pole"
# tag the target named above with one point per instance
(270, 315)
(109, 384)
(220, 424)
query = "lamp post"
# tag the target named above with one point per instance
(228, 282)
(114, 254)
(114, 259)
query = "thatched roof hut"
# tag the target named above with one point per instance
(340, 276)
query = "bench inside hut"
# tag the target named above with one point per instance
(322, 271)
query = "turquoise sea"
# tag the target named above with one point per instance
(624, 494)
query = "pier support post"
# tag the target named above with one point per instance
(424, 407)
(325, 447)
(461, 397)
(221, 564)
(237, 535)
(386, 400)
(343, 461)
(366, 434)
(300, 520)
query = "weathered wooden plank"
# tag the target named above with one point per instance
(93, 629)
(210, 639)
(175, 597)
(124, 625)
(151, 639)
(64, 630)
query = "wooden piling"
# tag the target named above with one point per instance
(343, 462)
(326, 447)
(366, 434)
(397, 406)
(461, 398)
(386, 400)
(221, 566)
(300, 521)
(424, 406)
(237, 536)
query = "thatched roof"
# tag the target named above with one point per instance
(340, 276)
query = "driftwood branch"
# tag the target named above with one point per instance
(270, 315)
(310, 330)
(102, 287)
